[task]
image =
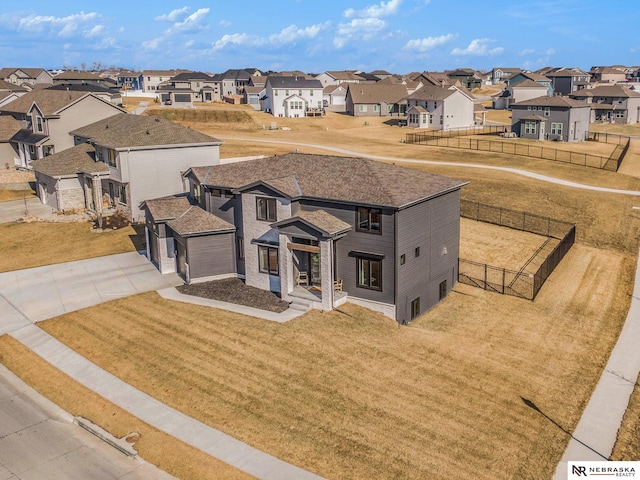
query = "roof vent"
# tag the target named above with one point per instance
(107, 126)
(147, 132)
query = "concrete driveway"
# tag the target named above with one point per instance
(35, 294)
(17, 209)
(38, 440)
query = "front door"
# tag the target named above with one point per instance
(181, 259)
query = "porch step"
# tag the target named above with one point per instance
(300, 304)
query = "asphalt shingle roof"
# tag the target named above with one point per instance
(618, 91)
(293, 82)
(196, 220)
(49, 101)
(71, 161)
(378, 93)
(128, 131)
(324, 221)
(9, 126)
(341, 179)
(555, 101)
(167, 208)
(432, 92)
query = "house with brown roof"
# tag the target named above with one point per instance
(607, 75)
(9, 126)
(538, 78)
(74, 77)
(144, 157)
(293, 97)
(338, 77)
(47, 116)
(187, 87)
(442, 108)
(334, 97)
(501, 74)
(550, 118)
(321, 230)
(26, 77)
(611, 103)
(518, 92)
(152, 79)
(565, 80)
(376, 100)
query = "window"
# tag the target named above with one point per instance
(311, 93)
(556, 128)
(547, 111)
(240, 248)
(299, 93)
(530, 127)
(197, 193)
(376, 108)
(275, 93)
(266, 209)
(111, 158)
(39, 124)
(415, 308)
(268, 260)
(122, 194)
(369, 220)
(363, 108)
(417, 252)
(216, 192)
(369, 273)
(403, 259)
(443, 289)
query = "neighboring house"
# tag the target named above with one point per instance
(372, 233)
(145, 157)
(410, 85)
(9, 126)
(520, 91)
(111, 95)
(26, 76)
(338, 77)
(611, 104)
(502, 75)
(152, 79)
(83, 78)
(381, 74)
(565, 81)
(376, 100)
(233, 81)
(128, 80)
(467, 77)
(69, 181)
(607, 75)
(47, 116)
(334, 97)
(535, 77)
(293, 97)
(442, 108)
(550, 118)
(188, 87)
(252, 96)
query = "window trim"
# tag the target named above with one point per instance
(273, 211)
(368, 229)
(360, 261)
(415, 308)
(112, 158)
(269, 269)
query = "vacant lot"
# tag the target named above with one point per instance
(497, 246)
(26, 245)
(351, 394)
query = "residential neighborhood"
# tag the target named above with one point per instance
(277, 246)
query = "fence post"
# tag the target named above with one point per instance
(504, 275)
(485, 276)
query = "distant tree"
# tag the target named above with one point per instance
(84, 66)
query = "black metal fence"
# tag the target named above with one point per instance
(422, 137)
(620, 141)
(508, 282)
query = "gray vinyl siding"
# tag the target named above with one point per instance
(354, 241)
(209, 255)
(432, 226)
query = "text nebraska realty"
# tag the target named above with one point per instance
(604, 471)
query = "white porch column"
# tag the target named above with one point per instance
(285, 264)
(326, 273)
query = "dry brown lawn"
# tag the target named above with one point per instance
(350, 394)
(497, 246)
(628, 442)
(26, 245)
(9, 195)
(154, 446)
(498, 116)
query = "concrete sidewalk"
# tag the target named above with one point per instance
(157, 414)
(595, 435)
(287, 315)
(17, 209)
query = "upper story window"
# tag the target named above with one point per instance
(266, 209)
(369, 220)
(111, 158)
(39, 124)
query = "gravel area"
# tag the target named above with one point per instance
(234, 290)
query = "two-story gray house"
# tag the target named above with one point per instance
(611, 103)
(550, 118)
(343, 229)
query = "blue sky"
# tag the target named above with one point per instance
(314, 36)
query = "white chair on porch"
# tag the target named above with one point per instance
(303, 279)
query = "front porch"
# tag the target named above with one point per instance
(306, 298)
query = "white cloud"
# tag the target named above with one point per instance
(379, 10)
(424, 44)
(235, 39)
(527, 51)
(192, 22)
(478, 47)
(224, 23)
(152, 44)
(62, 26)
(292, 33)
(358, 28)
(173, 15)
(94, 32)
(551, 51)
